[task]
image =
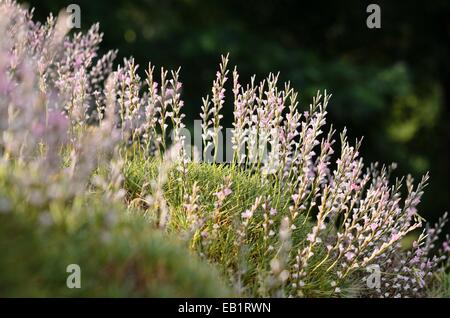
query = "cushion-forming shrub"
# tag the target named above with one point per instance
(319, 220)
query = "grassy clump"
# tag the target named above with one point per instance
(246, 264)
(441, 285)
(119, 253)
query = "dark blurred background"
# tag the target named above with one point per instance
(390, 85)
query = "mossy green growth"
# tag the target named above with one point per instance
(120, 254)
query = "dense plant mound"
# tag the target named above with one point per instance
(99, 161)
(119, 253)
(215, 204)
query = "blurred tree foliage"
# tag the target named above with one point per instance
(390, 85)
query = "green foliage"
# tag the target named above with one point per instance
(120, 253)
(441, 286)
(248, 264)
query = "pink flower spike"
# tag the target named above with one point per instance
(247, 214)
